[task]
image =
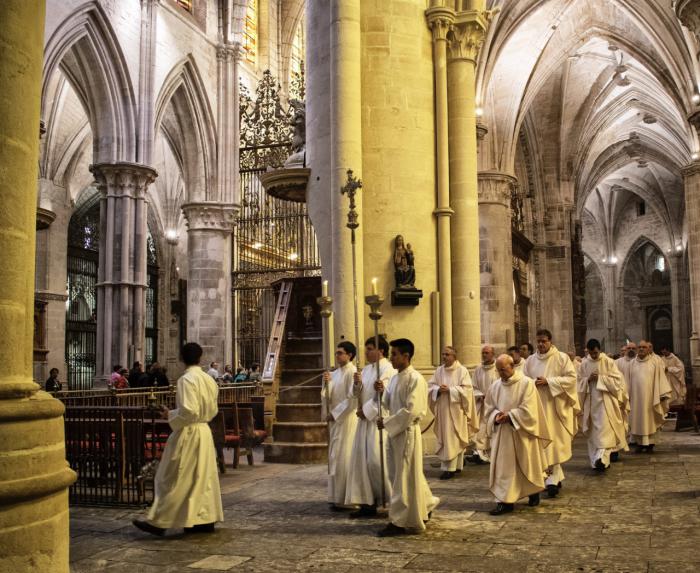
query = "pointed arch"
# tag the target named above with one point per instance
(87, 51)
(184, 116)
(636, 246)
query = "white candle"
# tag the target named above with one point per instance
(324, 291)
(374, 285)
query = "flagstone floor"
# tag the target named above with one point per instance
(643, 515)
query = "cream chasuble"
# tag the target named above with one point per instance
(675, 371)
(518, 461)
(337, 396)
(601, 420)
(454, 411)
(648, 386)
(484, 376)
(187, 489)
(364, 485)
(406, 398)
(559, 399)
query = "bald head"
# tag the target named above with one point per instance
(504, 365)
(487, 353)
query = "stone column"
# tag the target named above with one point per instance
(34, 476)
(440, 19)
(679, 305)
(465, 40)
(496, 254)
(121, 276)
(346, 153)
(209, 229)
(691, 179)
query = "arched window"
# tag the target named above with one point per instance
(250, 32)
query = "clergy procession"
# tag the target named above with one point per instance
(518, 412)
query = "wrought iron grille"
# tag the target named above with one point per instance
(151, 339)
(81, 306)
(273, 238)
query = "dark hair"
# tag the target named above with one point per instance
(592, 344)
(383, 344)
(530, 348)
(136, 365)
(665, 347)
(544, 332)
(53, 370)
(254, 367)
(404, 346)
(514, 349)
(191, 353)
(116, 368)
(349, 347)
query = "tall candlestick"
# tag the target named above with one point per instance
(324, 290)
(374, 285)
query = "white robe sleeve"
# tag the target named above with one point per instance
(347, 406)
(187, 411)
(564, 383)
(413, 410)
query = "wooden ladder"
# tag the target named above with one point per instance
(275, 345)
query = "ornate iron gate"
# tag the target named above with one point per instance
(151, 340)
(81, 306)
(273, 238)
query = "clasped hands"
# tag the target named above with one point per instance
(502, 417)
(541, 381)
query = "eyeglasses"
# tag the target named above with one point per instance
(340, 352)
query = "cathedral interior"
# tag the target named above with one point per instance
(171, 172)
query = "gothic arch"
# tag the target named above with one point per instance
(184, 117)
(87, 51)
(634, 248)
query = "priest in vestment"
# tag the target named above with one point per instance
(338, 404)
(600, 389)
(518, 360)
(187, 492)
(675, 371)
(555, 378)
(517, 427)
(406, 399)
(649, 393)
(484, 376)
(364, 483)
(451, 399)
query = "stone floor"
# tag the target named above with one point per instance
(643, 515)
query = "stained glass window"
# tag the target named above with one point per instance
(250, 32)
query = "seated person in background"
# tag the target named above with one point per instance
(121, 382)
(115, 374)
(156, 376)
(241, 375)
(254, 375)
(52, 384)
(228, 375)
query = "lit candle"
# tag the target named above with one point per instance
(324, 292)
(374, 285)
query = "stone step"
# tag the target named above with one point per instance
(292, 453)
(300, 432)
(302, 360)
(298, 413)
(305, 394)
(293, 376)
(311, 344)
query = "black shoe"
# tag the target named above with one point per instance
(447, 475)
(552, 491)
(458, 471)
(201, 528)
(533, 500)
(559, 485)
(502, 508)
(334, 507)
(615, 457)
(392, 530)
(638, 449)
(148, 528)
(475, 459)
(364, 511)
(599, 466)
(650, 449)
(430, 515)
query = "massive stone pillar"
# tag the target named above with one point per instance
(34, 476)
(440, 20)
(209, 229)
(680, 304)
(465, 40)
(691, 178)
(121, 277)
(346, 153)
(495, 253)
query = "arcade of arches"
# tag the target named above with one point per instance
(540, 156)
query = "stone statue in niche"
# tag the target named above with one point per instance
(298, 122)
(406, 293)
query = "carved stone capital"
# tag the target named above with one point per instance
(691, 169)
(440, 21)
(229, 52)
(481, 130)
(496, 188)
(44, 218)
(688, 12)
(123, 179)
(467, 35)
(210, 216)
